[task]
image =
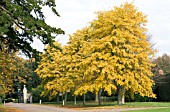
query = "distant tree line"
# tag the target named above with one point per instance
(162, 77)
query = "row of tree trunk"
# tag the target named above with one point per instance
(121, 97)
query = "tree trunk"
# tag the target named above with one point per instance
(58, 97)
(96, 98)
(75, 100)
(65, 98)
(99, 95)
(84, 99)
(0, 100)
(121, 96)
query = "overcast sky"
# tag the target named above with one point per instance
(76, 14)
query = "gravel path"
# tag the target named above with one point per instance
(43, 108)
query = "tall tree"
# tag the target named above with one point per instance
(7, 68)
(23, 20)
(14, 73)
(62, 66)
(52, 71)
(74, 52)
(118, 54)
(112, 54)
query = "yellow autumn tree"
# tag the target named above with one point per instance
(10, 66)
(13, 72)
(74, 53)
(7, 68)
(112, 54)
(51, 70)
(118, 55)
(92, 60)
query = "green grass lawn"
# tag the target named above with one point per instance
(110, 105)
(148, 104)
(80, 104)
(127, 104)
(153, 110)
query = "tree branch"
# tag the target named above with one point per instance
(12, 18)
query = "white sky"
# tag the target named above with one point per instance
(76, 14)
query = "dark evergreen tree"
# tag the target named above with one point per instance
(23, 20)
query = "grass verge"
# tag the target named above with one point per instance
(152, 110)
(148, 104)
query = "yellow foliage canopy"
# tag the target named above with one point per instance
(112, 52)
(116, 52)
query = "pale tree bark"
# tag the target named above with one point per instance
(96, 98)
(121, 95)
(75, 97)
(75, 100)
(63, 100)
(99, 95)
(0, 100)
(65, 96)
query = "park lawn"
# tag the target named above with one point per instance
(152, 110)
(108, 105)
(148, 104)
(79, 104)
(8, 109)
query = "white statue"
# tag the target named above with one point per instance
(25, 94)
